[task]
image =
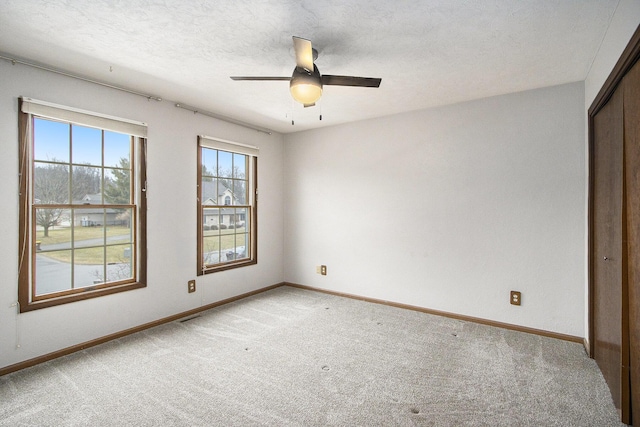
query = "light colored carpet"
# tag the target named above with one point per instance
(290, 357)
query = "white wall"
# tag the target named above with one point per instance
(623, 24)
(448, 208)
(171, 218)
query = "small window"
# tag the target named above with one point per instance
(227, 205)
(82, 206)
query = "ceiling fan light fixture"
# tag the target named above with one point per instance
(306, 88)
(306, 93)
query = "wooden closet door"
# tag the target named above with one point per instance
(607, 244)
(631, 85)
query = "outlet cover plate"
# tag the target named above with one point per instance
(516, 298)
(191, 284)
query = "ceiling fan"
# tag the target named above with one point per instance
(306, 81)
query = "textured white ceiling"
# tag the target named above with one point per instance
(428, 53)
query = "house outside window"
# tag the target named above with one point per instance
(227, 205)
(83, 206)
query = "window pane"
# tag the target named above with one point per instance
(88, 267)
(227, 238)
(119, 226)
(211, 221)
(49, 223)
(85, 185)
(52, 272)
(89, 229)
(211, 250)
(50, 140)
(209, 162)
(117, 149)
(241, 219)
(242, 245)
(239, 192)
(57, 235)
(117, 186)
(247, 222)
(224, 217)
(239, 166)
(119, 262)
(50, 183)
(225, 164)
(209, 187)
(86, 145)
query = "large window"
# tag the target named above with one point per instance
(82, 205)
(227, 194)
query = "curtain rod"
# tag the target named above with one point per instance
(149, 97)
(74, 76)
(223, 118)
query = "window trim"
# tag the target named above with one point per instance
(27, 250)
(251, 151)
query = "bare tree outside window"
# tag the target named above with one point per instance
(51, 185)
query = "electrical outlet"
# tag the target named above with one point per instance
(191, 284)
(323, 270)
(516, 298)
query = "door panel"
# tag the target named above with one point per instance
(631, 86)
(607, 248)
